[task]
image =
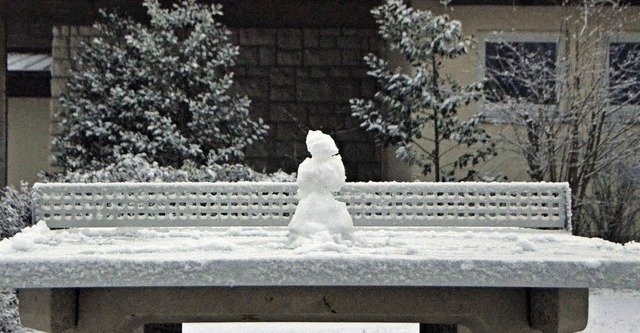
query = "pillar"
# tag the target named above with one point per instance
(3, 95)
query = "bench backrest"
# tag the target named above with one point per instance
(530, 205)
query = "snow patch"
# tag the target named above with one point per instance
(613, 310)
(595, 263)
(411, 251)
(300, 327)
(320, 243)
(467, 266)
(632, 246)
(26, 240)
(527, 246)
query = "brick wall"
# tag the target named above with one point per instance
(297, 79)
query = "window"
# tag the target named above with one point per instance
(28, 75)
(624, 73)
(519, 68)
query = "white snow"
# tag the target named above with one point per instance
(318, 216)
(614, 311)
(227, 256)
(24, 241)
(300, 327)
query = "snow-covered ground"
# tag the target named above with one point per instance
(300, 327)
(614, 311)
(609, 311)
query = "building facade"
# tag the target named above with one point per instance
(300, 62)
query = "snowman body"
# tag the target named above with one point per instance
(318, 212)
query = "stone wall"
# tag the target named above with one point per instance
(64, 47)
(301, 79)
(297, 78)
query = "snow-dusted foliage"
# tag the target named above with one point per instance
(573, 114)
(417, 111)
(15, 210)
(9, 317)
(129, 168)
(15, 214)
(159, 89)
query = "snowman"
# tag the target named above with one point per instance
(318, 213)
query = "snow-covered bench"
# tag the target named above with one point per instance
(489, 256)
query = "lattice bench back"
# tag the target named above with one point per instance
(531, 205)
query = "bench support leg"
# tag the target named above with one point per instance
(49, 310)
(555, 310)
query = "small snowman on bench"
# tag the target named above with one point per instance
(318, 214)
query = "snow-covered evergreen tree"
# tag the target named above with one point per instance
(418, 111)
(159, 89)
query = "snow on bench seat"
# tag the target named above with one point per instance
(530, 205)
(262, 256)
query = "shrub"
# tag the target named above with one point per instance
(158, 90)
(613, 210)
(15, 210)
(15, 214)
(130, 168)
(9, 317)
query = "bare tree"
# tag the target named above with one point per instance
(613, 210)
(572, 114)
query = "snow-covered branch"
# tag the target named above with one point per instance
(573, 116)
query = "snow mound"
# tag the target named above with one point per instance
(30, 236)
(318, 216)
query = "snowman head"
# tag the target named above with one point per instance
(321, 145)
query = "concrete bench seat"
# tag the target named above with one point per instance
(490, 257)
